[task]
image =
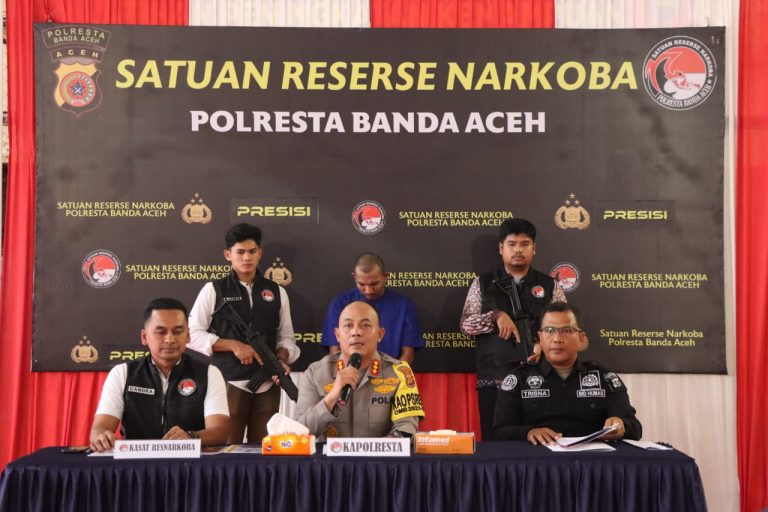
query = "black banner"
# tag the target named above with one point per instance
(414, 144)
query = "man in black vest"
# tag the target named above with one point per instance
(263, 306)
(487, 313)
(165, 395)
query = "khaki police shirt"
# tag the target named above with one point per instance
(369, 408)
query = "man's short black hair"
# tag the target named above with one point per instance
(368, 261)
(564, 307)
(242, 232)
(516, 226)
(164, 303)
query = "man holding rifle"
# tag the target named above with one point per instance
(263, 307)
(500, 305)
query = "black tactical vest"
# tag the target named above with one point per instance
(148, 413)
(496, 357)
(263, 318)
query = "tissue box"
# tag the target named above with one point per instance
(459, 443)
(288, 444)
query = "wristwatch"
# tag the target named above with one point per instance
(400, 433)
(193, 435)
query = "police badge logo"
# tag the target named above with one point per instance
(186, 387)
(679, 73)
(267, 295)
(589, 380)
(279, 273)
(509, 383)
(368, 217)
(538, 292)
(79, 50)
(534, 381)
(572, 215)
(101, 269)
(567, 276)
(590, 386)
(84, 352)
(196, 212)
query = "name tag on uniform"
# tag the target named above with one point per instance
(143, 391)
(157, 449)
(535, 393)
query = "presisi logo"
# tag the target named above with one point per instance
(126, 355)
(635, 215)
(273, 211)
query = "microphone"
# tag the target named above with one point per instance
(354, 360)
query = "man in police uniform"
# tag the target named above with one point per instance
(263, 306)
(487, 313)
(165, 395)
(385, 400)
(562, 396)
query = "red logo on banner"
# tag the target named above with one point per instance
(679, 73)
(369, 217)
(567, 276)
(101, 269)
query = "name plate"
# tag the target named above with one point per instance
(157, 449)
(368, 447)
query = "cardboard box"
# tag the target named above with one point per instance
(459, 443)
(288, 444)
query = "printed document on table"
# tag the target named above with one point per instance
(584, 447)
(647, 445)
(566, 442)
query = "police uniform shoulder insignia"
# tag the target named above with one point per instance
(509, 383)
(375, 367)
(613, 381)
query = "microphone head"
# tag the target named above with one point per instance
(355, 360)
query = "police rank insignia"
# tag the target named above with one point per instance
(79, 50)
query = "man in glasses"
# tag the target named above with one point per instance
(562, 395)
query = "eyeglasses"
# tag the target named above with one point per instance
(567, 330)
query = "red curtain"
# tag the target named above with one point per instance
(752, 256)
(450, 400)
(55, 408)
(463, 13)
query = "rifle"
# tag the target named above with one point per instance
(520, 318)
(271, 365)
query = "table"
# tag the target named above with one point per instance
(500, 476)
